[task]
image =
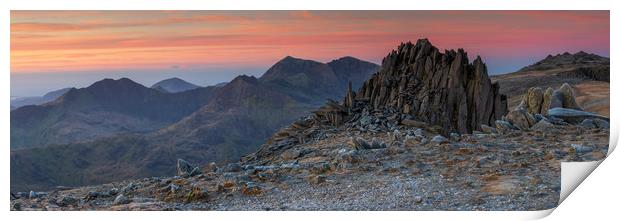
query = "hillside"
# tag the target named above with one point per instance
(587, 73)
(48, 97)
(234, 120)
(105, 108)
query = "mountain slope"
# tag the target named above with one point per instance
(587, 73)
(174, 85)
(48, 97)
(236, 119)
(103, 109)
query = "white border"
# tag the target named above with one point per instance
(289, 5)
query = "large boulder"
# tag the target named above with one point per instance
(185, 168)
(564, 97)
(573, 116)
(546, 100)
(532, 101)
(521, 119)
(437, 88)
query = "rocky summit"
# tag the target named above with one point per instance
(437, 88)
(428, 131)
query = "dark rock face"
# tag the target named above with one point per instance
(438, 88)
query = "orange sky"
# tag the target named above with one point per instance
(55, 42)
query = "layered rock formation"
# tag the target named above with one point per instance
(535, 101)
(437, 88)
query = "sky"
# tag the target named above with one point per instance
(56, 49)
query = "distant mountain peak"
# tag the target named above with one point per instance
(174, 85)
(567, 59)
(244, 78)
(111, 82)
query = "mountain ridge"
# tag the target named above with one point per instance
(232, 121)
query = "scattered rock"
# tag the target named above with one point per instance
(413, 123)
(418, 199)
(594, 123)
(184, 168)
(251, 188)
(210, 168)
(120, 200)
(319, 179)
(418, 133)
(488, 129)
(542, 125)
(361, 144)
(33, 195)
(581, 149)
(439, 139)
(395, 136)
(377, 144)
(455, 136)
(504, 127)
(67, 201)
(520, 119)
(130, 187)
(232, 168)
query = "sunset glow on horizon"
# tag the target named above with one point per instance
(52, 42)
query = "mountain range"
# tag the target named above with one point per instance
(86, 135)
(48, 97)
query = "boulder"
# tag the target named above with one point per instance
(581, 149)
(67, 201)
(503, 126)
(542, 125)
(546, 100)
(564, 97)
(210, 168)
(33, 194)
(594, 123)
(232, 167)
(574, 116)
(520, 119)
(569, 97)
(184, 168)
(439, 139)
(532, 101)
(121, 199)
(487, 129)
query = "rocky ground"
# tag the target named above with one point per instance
(416, 170)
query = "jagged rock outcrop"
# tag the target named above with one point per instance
(437, 88)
